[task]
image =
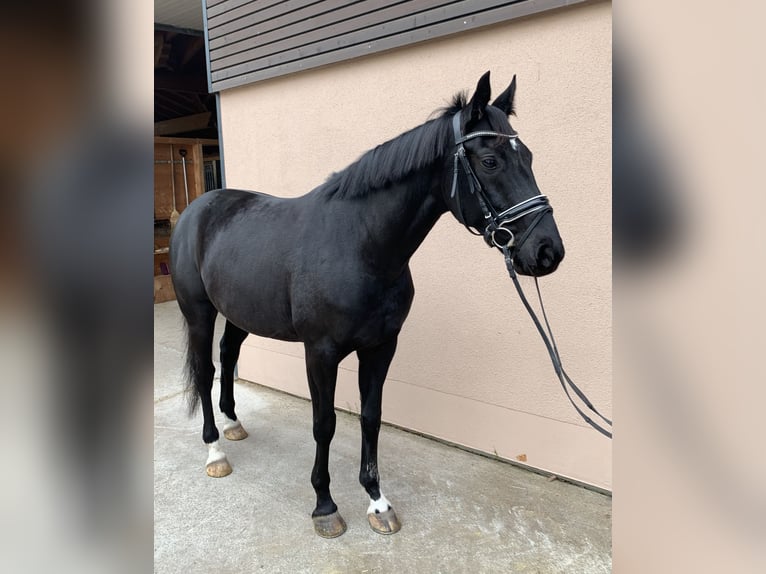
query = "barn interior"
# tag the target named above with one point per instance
(187, 159)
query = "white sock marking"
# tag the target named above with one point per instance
(231, 424)
(214, 454)
(379, 505)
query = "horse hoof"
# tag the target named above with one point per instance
(235, 433)
(330, 525)
(218, 469)
(384, 522)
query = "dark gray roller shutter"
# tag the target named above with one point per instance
(252, 40)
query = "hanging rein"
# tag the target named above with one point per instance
(498, 234)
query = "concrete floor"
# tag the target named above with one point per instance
(460, 512)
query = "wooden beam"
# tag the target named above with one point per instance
(183, 124)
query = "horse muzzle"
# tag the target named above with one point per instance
(540, 258)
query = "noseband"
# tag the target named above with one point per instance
(497, 231)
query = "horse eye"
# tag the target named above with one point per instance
(489, 163)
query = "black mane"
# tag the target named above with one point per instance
(395, 159)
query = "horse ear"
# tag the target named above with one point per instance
(476, 107)
(505, 100)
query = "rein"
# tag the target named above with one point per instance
(496, 225)
(550, 344)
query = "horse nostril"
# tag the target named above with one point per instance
(546, 258)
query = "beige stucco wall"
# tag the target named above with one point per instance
(470, 366)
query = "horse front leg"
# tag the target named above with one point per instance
(373, 367)
(322, 369)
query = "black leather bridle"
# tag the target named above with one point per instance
(497, 232)
(496, 227)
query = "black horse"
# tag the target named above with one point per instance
(330, 268)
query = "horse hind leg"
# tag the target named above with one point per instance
(200, 323)
(373, 367)
(231, 342)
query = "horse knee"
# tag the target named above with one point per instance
(324, 427)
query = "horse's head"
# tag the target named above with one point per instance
(492, 188)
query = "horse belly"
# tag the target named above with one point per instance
(262, 318)
(353, 314)
(254, 297)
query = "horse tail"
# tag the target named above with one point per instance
(191, 373)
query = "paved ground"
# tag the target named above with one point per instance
(460, 512)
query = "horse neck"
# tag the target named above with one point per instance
(397, 219)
